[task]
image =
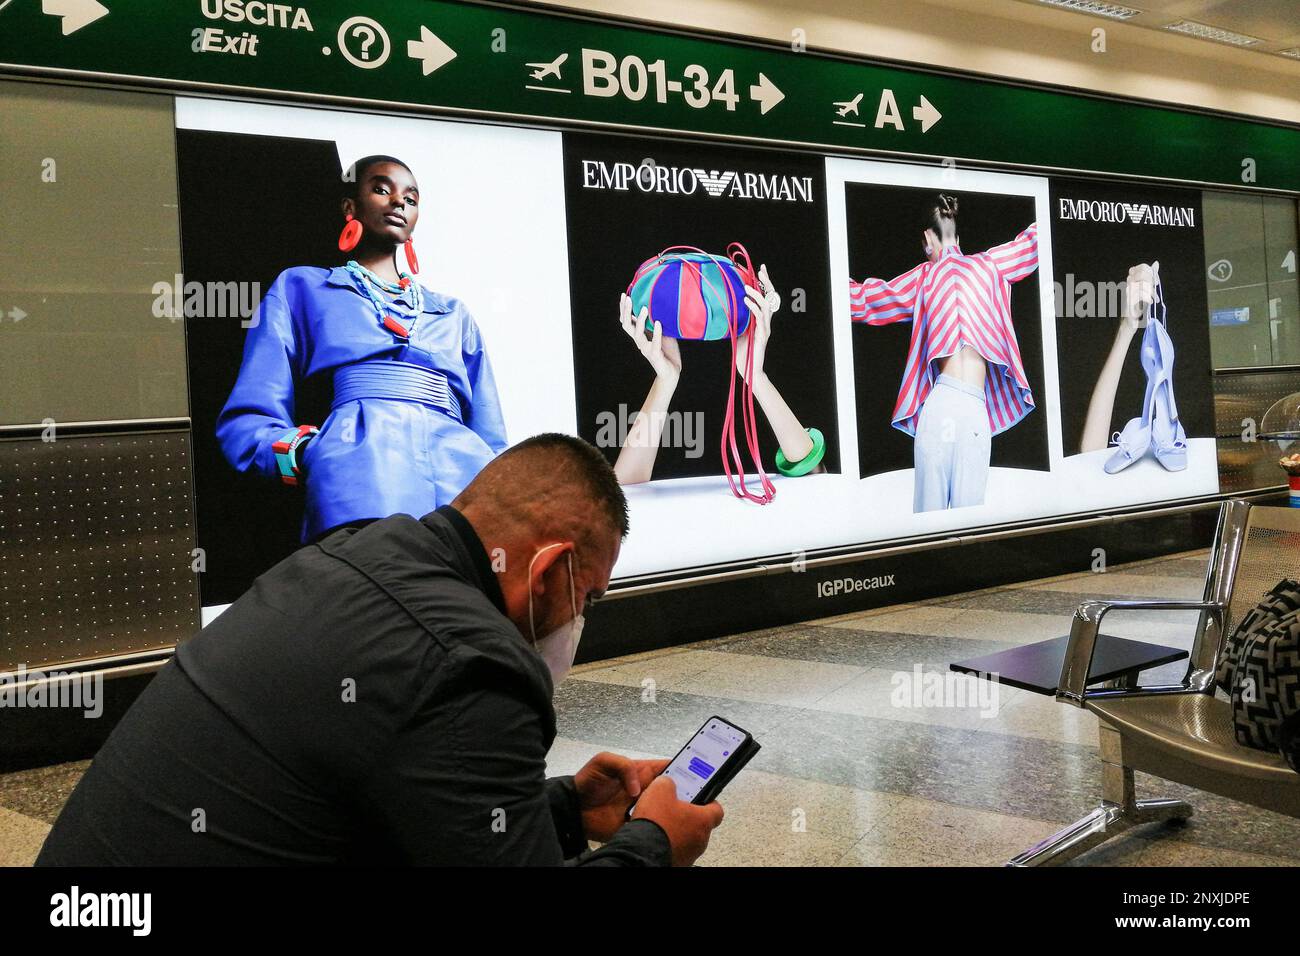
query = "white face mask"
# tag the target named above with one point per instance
(560, 646)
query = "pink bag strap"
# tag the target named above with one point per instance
(736, 252)
(748, 419)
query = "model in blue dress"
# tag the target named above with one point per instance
(415, 413)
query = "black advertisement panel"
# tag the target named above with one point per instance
(1132, 337)
(234, 188)
(627, 200)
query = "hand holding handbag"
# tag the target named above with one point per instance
(697, 296)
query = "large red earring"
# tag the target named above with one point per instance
(350, 235)
(410, 258)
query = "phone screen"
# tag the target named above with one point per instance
(703, 756)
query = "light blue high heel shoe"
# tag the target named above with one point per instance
(1135, 439)
(1168, 439)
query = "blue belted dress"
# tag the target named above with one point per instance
(412, 421)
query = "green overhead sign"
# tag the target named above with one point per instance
(527, 63)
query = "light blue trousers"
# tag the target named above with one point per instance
(952, 447)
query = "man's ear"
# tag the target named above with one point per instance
(545, 560)
(350, 208)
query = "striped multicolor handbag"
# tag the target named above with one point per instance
(698, 296)
(695, 295)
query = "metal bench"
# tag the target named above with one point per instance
(1181, 732)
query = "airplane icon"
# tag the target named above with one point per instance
(543, 70)
(849, 106)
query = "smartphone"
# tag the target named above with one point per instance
(710, 760)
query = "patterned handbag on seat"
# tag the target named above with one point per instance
(697, 296)
(1281, 599)
(1265, 673)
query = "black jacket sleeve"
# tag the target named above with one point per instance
(637, 843)
(563, 798)
(464, 783)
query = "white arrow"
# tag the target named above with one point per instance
(17, 314)
(75, 13)
(766, 93)
(430, 50)
(926, 114)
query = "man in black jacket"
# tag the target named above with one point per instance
(384, 696)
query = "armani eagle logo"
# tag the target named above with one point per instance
(714, 182)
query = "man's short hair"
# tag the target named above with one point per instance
(550, 460)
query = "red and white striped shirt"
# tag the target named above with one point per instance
(958, 301)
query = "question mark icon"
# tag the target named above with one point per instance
(365, 33)
(367, 42)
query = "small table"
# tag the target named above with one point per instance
(1037, 667)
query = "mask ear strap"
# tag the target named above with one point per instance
(531, 625)
(573, 588)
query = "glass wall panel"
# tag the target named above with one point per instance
(88, 228)
(1283, 284)
(1254, 302)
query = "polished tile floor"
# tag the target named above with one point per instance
(851, 773)
(868, 759)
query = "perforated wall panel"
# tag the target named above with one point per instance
(1246, 396)
(96, 539)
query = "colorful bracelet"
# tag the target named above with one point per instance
(286, 451)
(808, 462)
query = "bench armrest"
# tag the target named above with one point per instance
(1072, 688)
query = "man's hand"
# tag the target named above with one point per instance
(688, 826)
(607, 786)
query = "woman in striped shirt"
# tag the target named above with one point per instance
(964, 381)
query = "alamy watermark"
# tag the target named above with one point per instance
(932, 689)
(71, 690)
(675, 429)
(1085, 299)
(179, 299)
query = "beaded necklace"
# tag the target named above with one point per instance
(372, 286)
